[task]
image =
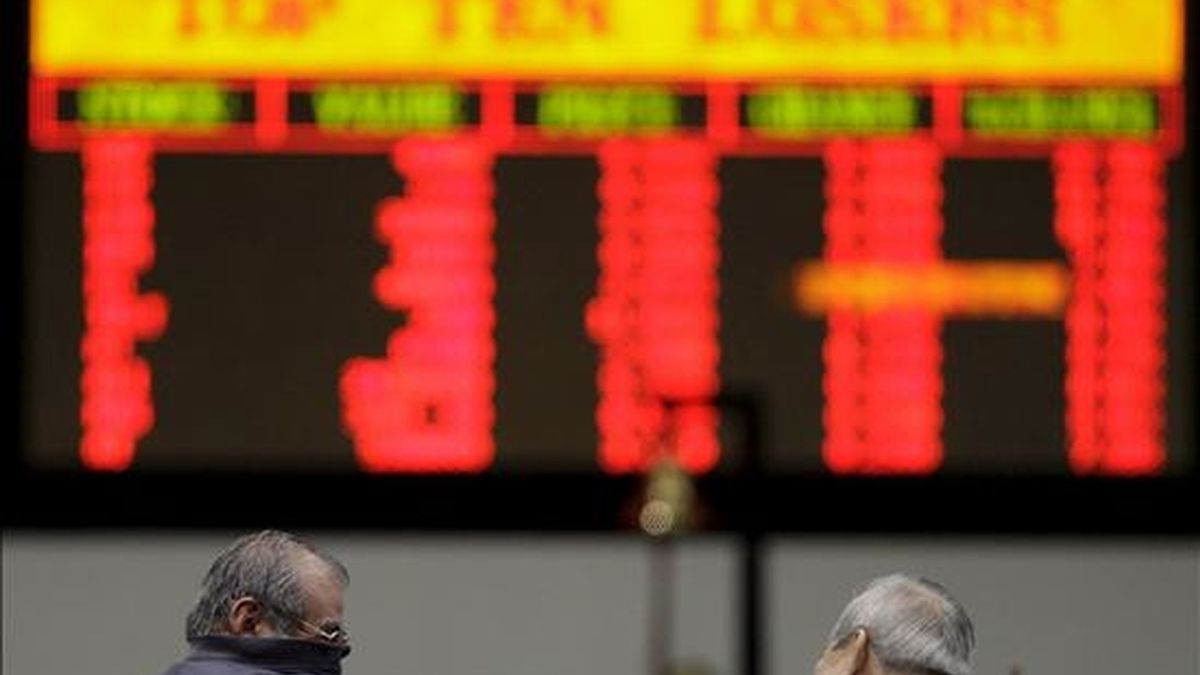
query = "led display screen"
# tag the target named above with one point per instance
(549, 235)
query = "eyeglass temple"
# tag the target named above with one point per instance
(338, 634)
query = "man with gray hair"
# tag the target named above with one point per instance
(271, 603)
(900, 625)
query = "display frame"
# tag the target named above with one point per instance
(747, 500)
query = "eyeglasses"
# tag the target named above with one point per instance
(333, 633)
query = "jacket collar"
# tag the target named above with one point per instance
(283, 655)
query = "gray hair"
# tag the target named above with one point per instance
(913, 624)
(260, 565)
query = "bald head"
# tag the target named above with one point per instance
(911, 625)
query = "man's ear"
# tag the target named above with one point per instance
(245, 617)
(847, 656)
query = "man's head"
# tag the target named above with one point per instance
(900, 625)
(271, 584)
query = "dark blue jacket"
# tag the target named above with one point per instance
(227, 655)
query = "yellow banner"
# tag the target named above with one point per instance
(1087, 41)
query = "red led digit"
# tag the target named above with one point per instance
(428, 404)
(1109, 219)
(1133, 295)
(882, 381)
(117, 409)
(654, 316)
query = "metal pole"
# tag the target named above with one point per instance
(662, 604)
(752, 487)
